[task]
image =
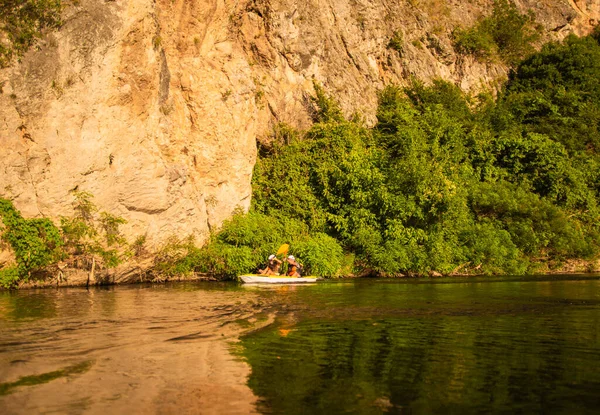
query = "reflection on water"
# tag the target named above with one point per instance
(156, 349)
(6, 388)
(459, 347)
(393, 346)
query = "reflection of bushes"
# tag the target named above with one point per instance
(506, 33)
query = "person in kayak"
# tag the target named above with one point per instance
(294, 268)
(272, 266)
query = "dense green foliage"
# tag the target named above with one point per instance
(556, 93)
(22, 22)
(36, 243)
(447, 183)
(244, 243)
(506, 33)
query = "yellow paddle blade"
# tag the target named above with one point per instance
(283, 249)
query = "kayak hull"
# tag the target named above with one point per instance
(263, 279)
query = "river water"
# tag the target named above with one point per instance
(477, 345)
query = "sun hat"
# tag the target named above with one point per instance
(271, 257)
(292, 257)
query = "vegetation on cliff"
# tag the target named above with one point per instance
(446, 182)
(22, 23)
(506, 34)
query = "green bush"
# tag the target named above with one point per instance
(36, 242)
(506, 33)
(226, 261)
(256, 231)
(536, 226)
(321, 255)
(491, 250)
(92, 234)
(397, 42)
(327, 109)
(475, 41)
(9, 277)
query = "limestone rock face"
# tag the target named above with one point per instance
(117, 104)
(155, 106)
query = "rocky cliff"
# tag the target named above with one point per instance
(155, 106)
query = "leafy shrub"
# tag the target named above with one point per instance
(226, 261)
(138, 246)
(110, 224)
(327, 108)
(254, 230)
(476, 42)
(175, 257)
(491, 250)
(556, 93)
(506, 32)
(401, 255)
(217, 259)
(36, 242)
(397, 42)
(91, 234)
(536, 226)
(9, 277)
(318, 179)
(445, 94)
(321, 255)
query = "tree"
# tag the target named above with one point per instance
(556, 93)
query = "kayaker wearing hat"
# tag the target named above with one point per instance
(293, 267)
(272, 266)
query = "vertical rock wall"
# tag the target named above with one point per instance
(128, 102)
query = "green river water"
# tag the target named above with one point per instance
(478, 345)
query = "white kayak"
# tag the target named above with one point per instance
(274, 279)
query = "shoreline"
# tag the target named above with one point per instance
(139, 273)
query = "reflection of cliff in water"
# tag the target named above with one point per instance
(145, 350)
